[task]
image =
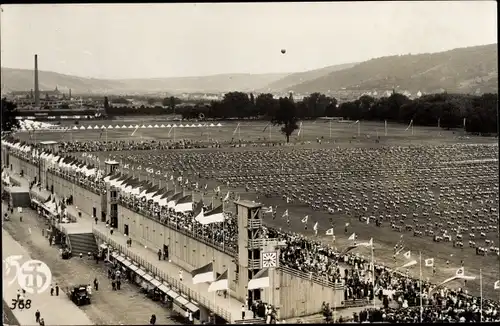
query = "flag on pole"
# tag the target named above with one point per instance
(259, 280)
(304, 220)
(221, 283)
(407, 254)
(366, 244)
(285, 213)
(496, 286)
(429, 262)
(352, 237)
(203, 274)
(315, 228)
(329, 231)
(368, 220)
(460, 272)
(410, 263)
(268, 210)
(227, 198)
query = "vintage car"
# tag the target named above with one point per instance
(79, 295)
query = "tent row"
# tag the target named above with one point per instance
(96, 127)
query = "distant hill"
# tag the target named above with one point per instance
(22, 79)
(285, 83)
(463, 70)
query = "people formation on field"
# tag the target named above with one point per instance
(399, 294)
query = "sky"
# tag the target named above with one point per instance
(116, 41)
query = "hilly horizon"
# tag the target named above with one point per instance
(462, 70)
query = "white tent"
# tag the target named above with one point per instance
(75, 128)
(124, 126)
(143, 126)
(110, 127)
(150, 126)
(219, 125)
(82, 128)
(89, 127)
(162, 126)
(155, 126)
(117, 127)
(133, 127)
(169, 126)
(212, 125)
(200, 125)
(174, 126)
(181, 125)
(96, 127)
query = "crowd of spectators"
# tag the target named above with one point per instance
(400, 295)
(126, 145)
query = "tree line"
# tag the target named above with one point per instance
(479, 112)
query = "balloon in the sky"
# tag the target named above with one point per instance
(283, 51)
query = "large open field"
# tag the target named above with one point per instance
(351, 175)
(332, 132)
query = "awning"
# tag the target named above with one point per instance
(155, 282)
(133, 268)
(126, 263)
(181, 300)
(147, 277)
(172, 294)
(140, 272)
(120, 258)
(104, 246)
(36, 201)
(114, 254)
(163, 288)
(191, 307)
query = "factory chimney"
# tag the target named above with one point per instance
(37, 90)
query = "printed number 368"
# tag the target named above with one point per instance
(21, 304)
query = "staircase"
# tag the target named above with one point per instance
(82, 243)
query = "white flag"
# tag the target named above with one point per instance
(304, 220)
(408, 264)
(367, 220)
(227, 198)
(407, 254)
(329, 231)
(352, 237)
(315, 227)
(460, 272)
(285, 214)
(497, 285)
(429, 262)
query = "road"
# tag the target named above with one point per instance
(124, 307)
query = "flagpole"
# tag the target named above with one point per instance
(330, 129)
(481, 295)
(421, 288)
(385, 127)
(373, 276)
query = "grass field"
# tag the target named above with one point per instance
(332, 135)
(365, 132)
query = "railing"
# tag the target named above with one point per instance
(81, 182)
(254, 223)
(173, 226)
(254, 264)
(255, 243)
(312, 278)
(174, 283)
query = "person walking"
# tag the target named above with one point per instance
(37, 316)
(152, 320)
(57, 289)
(96, 284)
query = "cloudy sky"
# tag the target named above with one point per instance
(165, 40)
